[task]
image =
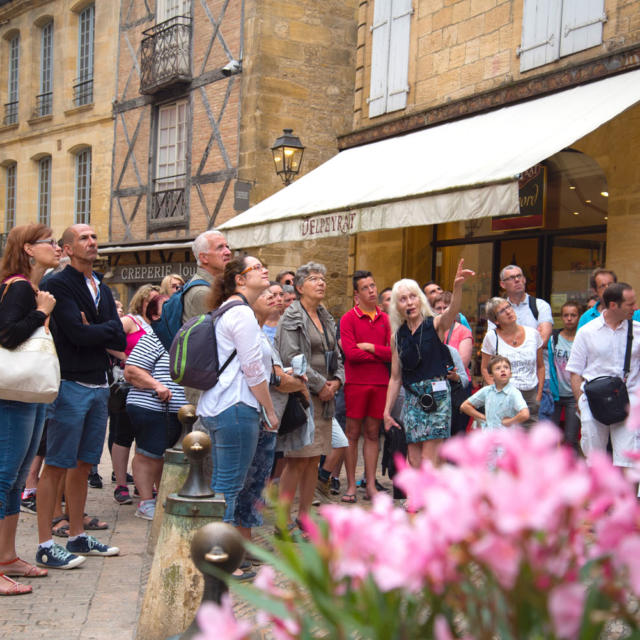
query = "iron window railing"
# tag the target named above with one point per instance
(166, 55)
(44, 105)
(82, 92)
(10, 113)
(168, 206)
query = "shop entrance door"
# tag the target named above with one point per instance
(524, 253)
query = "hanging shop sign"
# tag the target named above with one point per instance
(151, 273)
(532, 189)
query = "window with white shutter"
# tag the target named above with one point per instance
(582, 22)
(555, 28)
(390, 33)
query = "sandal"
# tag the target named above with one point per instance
(349, 498)
(94, 524)
(9, 587)
(61, 531)
(23, 570)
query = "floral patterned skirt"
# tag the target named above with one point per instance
(419, 425)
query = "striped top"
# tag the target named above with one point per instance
(149, 354)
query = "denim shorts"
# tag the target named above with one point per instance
(234, 436)
(20, 432)
(154, 431)
(76, 430)
(249, 504)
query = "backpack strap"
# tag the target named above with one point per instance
(554, 340)
(627, 354)
(199, 282)
(533, 306)
(217, 314)
(496, 332)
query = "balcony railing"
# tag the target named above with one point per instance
(83, 91)
(10, 113)
(166, 55)
(168, 205)
(44, 104)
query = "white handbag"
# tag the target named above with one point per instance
(31, 371)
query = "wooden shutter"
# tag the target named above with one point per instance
(380, 32)
(398, 74)
(582, 22)
(541, 21)
(167, 9)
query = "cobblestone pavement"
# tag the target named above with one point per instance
(101, 599)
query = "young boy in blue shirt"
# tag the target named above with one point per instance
(503, 403)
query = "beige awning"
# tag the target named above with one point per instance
(454, 171)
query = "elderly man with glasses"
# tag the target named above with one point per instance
(530, 312)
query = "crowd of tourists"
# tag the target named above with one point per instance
(296, 389)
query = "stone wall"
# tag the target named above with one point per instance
(460, 48)
(69, 128)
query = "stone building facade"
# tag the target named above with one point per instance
(56, 127)
(195, 119)
(425, 65)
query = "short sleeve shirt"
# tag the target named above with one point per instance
(149, 354)
(523, 359)
(505, 403)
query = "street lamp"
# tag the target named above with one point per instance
(287, 153)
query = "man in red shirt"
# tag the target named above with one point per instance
(365, 334)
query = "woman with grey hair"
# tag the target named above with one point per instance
(522, 345)
(419, 363)
(307, 327)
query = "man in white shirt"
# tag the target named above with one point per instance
(599, 350)
(531, 312)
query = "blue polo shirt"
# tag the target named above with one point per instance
(594, 312)
(505, 403)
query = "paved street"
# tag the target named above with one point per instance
(101, 599)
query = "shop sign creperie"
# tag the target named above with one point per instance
(153, 273)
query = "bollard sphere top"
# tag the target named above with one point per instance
(196, 445)
(217, 544)
(187, 414)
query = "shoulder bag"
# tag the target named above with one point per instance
(31, 371)
(607, 396)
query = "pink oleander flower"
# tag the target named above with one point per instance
(218, 621)
(566, 605)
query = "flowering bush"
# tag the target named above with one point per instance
(514, 537)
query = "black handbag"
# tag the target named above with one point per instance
(607, 396)
(118, 392)
(294, 416)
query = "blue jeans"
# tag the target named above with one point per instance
(20, 431)
(545, 412)
(76, 430)
(249, 503)
(234, 436)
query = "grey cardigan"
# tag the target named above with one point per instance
(292, 338)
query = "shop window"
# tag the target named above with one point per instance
(390, 33)
(44, 190)
(552, 29)
(11, 106)
(44, 100)
(11, 172)
(83, 187)
(83, 86)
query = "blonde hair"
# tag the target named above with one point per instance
(166, 283)
(143, 292)
(395, 317)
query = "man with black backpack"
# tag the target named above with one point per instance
(530, 312)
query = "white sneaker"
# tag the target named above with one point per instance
(146, 509)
